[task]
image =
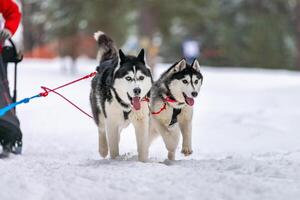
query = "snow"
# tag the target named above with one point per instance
(246, 142)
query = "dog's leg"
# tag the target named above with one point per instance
(113, 136)
(153, 133)
(142, 134)
(103, 149)
(186, 131)
(171, 139)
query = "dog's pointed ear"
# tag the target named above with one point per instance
(122, 56)
(141, 56)
(196, 65)
(180, 65)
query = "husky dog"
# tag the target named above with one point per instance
(172, 100)
(117, 97)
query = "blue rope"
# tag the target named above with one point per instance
(13, 105)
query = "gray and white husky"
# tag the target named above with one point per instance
(172, 100)
(117, 95)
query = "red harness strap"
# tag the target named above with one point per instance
(164, 107)
(168, 99)
(145, 99)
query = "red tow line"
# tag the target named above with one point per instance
(47, 91)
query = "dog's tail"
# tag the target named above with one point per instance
(107, 49)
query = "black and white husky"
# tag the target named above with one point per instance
(172, 100)
(117, 97)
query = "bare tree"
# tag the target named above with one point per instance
(297, 13)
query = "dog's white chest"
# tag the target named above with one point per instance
(139, 115)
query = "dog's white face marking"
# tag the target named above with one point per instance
(187, 87)
(134, 69)
(123, 86)
(132, 82)
(196, 84)
(143, 82)
(180, 86)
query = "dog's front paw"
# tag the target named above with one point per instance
(186, 151)
(143, 157)
(103, 152)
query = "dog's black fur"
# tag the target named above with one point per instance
(113, 65)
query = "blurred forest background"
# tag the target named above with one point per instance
(248, 33)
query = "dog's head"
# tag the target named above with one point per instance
(132, 78)
(184, 81)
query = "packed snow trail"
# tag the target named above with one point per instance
(246, 142)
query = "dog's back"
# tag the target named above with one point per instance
(108, 60)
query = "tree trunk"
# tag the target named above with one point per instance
(33, 33)
(27, 36)
(147, 27)
(297, 13)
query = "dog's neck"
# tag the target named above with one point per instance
(125, 106)
(171, 101)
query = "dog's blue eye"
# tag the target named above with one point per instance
(141, 78)
(185, 81)
(196, 81)
(128, 78)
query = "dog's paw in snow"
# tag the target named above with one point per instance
(186, 151)
(103, 152)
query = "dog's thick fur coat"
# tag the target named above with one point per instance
(180, 83)
(117, 96)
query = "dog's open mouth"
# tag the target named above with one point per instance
(188, 100)
(135, 102)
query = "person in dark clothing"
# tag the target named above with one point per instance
(191, 50)
(10, 133)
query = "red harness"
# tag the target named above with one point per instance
(164, 107)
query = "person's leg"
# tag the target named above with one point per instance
(10, 133)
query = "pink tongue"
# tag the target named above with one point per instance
(136, 103)
(189, 101)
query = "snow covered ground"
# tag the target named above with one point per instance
(246, 143)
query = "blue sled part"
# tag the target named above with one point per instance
(13, 105)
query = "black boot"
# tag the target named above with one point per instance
(5, 152)
(10, 138)
(7, 148)
(16, 148)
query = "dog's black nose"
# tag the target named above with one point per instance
(136, 91)
(194, 94)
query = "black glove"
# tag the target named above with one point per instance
(4, 35)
